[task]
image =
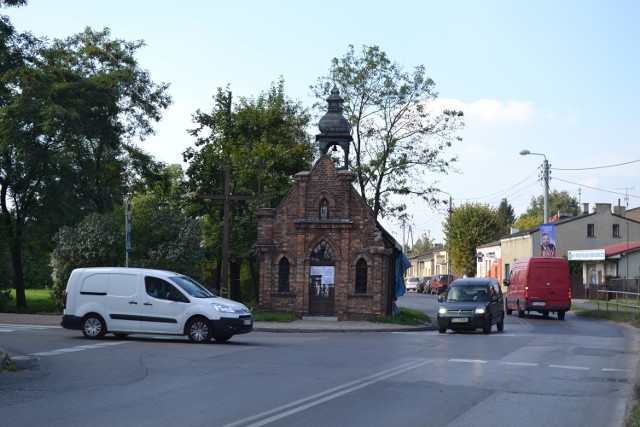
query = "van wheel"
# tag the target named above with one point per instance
(222, 338)
(199, 330)
(561, 315)
(520, 311)
(93, 326)
(442, 330)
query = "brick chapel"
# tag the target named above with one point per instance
(321, 252)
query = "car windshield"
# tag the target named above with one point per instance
(467, 294)
(192, 287)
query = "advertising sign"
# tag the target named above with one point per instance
(547, 240)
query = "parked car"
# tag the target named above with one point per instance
(440, 283)
(539, 284)
(412, 284)
(423, 287)
(471, 303)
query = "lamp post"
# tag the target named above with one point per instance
(546, 182)
(449, 239)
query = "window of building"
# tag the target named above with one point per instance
(616, 230)
(283, 275)
(591, 230)
(361, 276)
(323, 254)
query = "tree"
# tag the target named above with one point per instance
(398, 139)
(424, 244)
(71, 111)
(559, 201)
(165, 237)
(507, 216)
(264, 141)
(469, 226)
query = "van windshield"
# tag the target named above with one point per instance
(192, 287)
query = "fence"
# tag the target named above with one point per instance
(620, 293)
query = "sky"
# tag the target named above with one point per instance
(558, 78)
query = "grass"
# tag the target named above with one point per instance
(407, 317)
(38, 302)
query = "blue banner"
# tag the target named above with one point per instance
(547, 240)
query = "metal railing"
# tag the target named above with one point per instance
(620, 293)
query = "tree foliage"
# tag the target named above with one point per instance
(469, 226)
(264, 142)
(424, 244)
(398, 137)
(559, 201)
(71, 111)
(507, 216)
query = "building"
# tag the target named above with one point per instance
(321, 252)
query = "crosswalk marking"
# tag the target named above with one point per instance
(9, 327)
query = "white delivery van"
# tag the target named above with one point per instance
(126, 301)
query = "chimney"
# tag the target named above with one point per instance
(619, 210)
(603, 208)
(585, 209)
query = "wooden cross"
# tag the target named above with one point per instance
(227, 197)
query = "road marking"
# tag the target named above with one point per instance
(333, 393)
(9, 327)
(468, 360)
(74, 349)
(578, 368)
(518, 364)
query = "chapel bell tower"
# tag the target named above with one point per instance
(335, 129)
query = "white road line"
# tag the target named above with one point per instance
(616, 370)
(578, 368)
(467, 360)
(74, 349)
(518, 364)
(327, 395)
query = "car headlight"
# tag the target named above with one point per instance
(442, 310)
(481, 310)
(223, 308)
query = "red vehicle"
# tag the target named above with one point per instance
(540, 284)
(440, 283)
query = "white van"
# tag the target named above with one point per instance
(126, 301)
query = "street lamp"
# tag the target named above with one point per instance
(449, 239)
(546, 183)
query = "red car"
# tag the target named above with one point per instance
(440, 283)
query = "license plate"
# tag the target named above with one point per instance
(247, 322)
(538, 303)
(459, 320)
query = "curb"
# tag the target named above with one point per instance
(4, 358)
(294, 330)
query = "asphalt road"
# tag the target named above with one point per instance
(576, 372)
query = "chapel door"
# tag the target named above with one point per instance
(322, 281)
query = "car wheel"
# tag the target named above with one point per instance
(500, 325)
(561, 315)
(93, 326)
(520, 311)
(222, 338)
(545, 314)
(486, 328)
(199, 330)
(442, 330)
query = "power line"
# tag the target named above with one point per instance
(595, 188)
(596, 167)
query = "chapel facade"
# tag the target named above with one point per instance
(321, 252)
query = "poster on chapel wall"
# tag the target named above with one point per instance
(326, 272)
(547, 240)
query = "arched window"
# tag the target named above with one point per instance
(323, 254)
(283, 275)
(361, 276)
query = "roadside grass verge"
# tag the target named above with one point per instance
(39, 301)
(407, 317)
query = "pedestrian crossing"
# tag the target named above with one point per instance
(9, 327)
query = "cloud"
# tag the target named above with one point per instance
(490, 111)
